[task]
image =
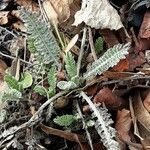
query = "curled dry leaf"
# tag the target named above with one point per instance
(98, 14)
(108, 97)
(123, 125)
(145, 28)
(57, 10)
(140, 112)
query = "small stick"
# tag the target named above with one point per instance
(11, 57)
(92, 44)
(8, 31)
(81, 51)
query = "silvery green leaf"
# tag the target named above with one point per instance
(66, 85)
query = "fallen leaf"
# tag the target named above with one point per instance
(94, 13)
(109, 37)
(146, 102)
(66, 26)
(123, 65)
(140, 112)
(65, 134)
(145, 27)
(108, 97)
(19, 26)
(51, 12)
(4, 17)
(71, 43)
(58, 11)
(28, 4)
(136, 60)
(123, 125)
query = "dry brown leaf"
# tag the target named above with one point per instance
(145, 27)
(57, 11)
(71, 43)
(4, 17)
(50, 11)
(140, 112)
(98, 14)
(123, 124)
(65, 134)
(19, 26)
(108, 97)
(123, 65)
(146, 102)
(28, 4)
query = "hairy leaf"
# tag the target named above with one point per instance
(64, 120)
(44, 40)
(11, 81)
(26, 80)
(66, 85)
(31, 46)
(99, 45)
(40, 90)
(110, 58)
(103, 124)
(70, 66)
(11, 95)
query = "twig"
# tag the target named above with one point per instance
(135, 77)
(8, 31)
(84, 126)
(11, 57)
(81, 51)
(92, 44)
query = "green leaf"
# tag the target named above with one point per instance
(64, 120)
(110, 58)
(11, 81)
(26, 80)
(11, 95)
(3, 114)
(47, 49)
(66, 85)
(40, 90)
(52, 80)
(99, 43)
(70, 66)
(30, 45)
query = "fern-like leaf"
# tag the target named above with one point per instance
(103, 125)
(30, 45)
(11, 95)
(11, 81)
(111, 57)
(40, 90)
(70, 66)
(64, 120)
(99, 45)
(44, 40)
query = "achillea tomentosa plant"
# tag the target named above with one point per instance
(44, 45)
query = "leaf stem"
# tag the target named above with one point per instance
(81, 51)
